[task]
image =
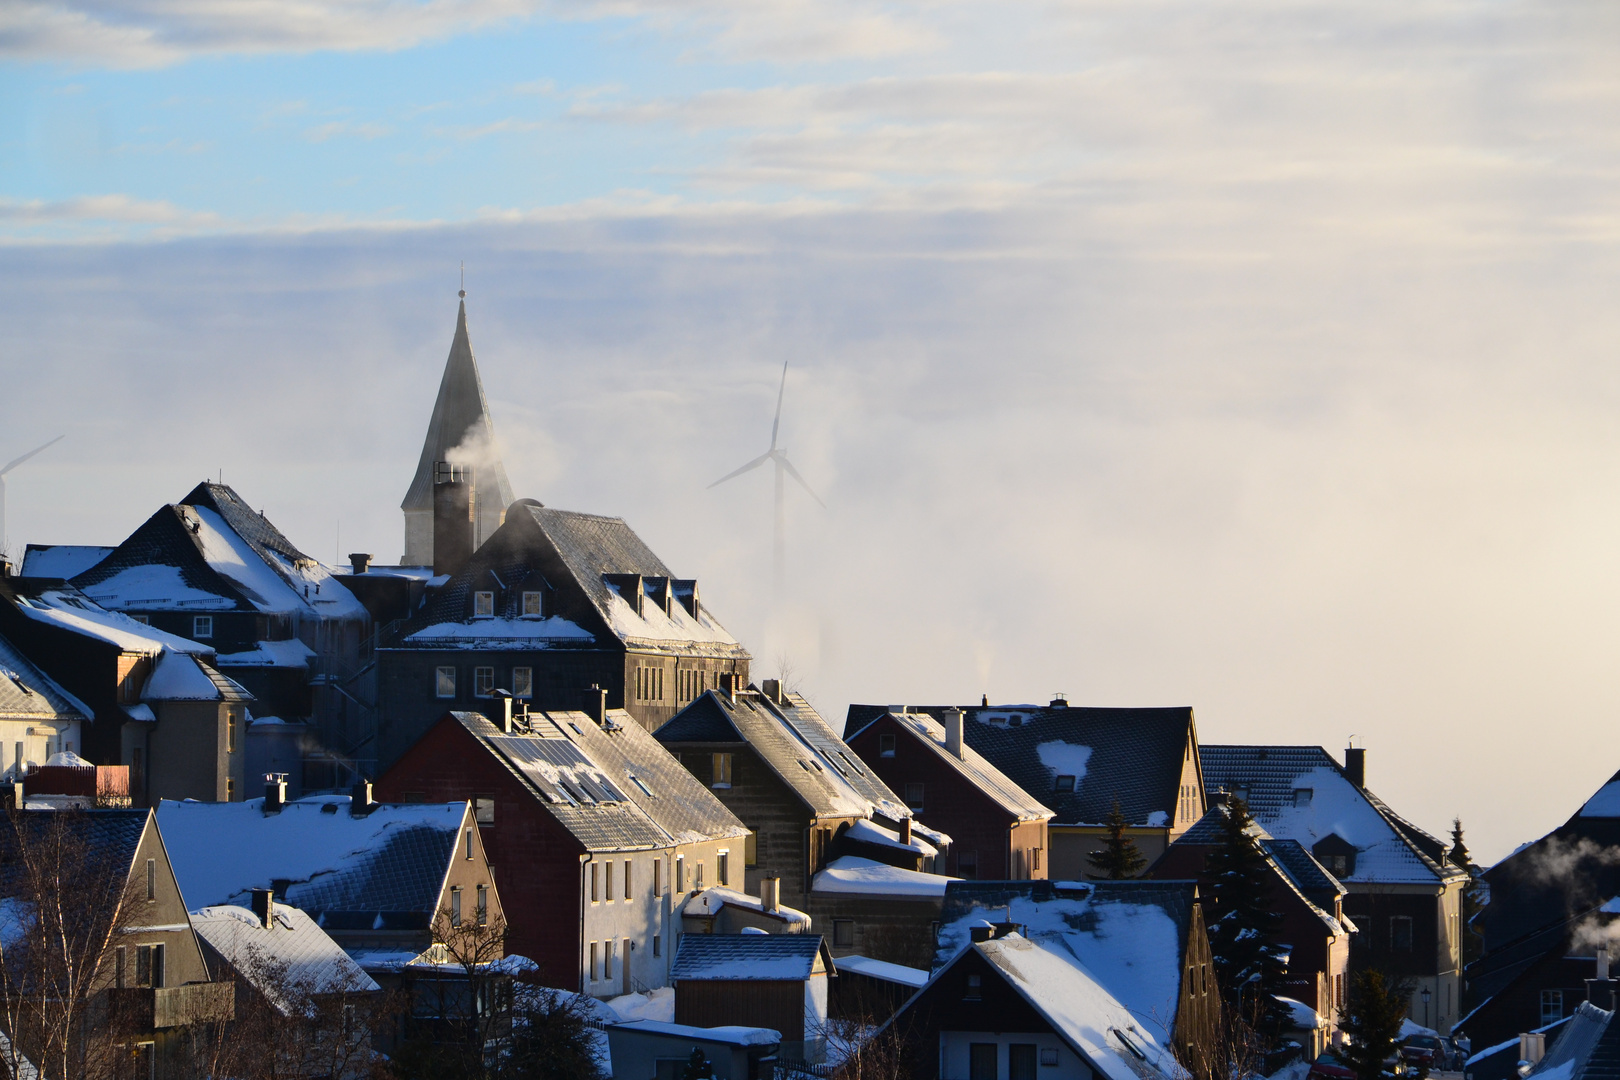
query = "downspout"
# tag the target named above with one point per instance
(579, 942)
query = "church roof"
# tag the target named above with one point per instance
(460, 418)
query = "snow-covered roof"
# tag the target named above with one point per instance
(711, 900)
(869, 832)
(290, 653)
(748, 957)
(1605, 803)
(154, 587)
(974, 766)
(1301, 1015)
(66, 607)
(181, 677)
(28, 693)
(383, 867)
(1388, 849)
(1129, 934)
(865, 877)
(492, 633)
(882, 969)
(1077, 1003)
(60, 560)
(287, 962)
(729, 1035)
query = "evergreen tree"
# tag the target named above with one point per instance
(698, 1067)
(1458, 856)
(1249, 966)
(1120, 857)
(1371, 1017)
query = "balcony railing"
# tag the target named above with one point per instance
(158, 1008)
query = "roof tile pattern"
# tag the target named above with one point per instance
(746, 957)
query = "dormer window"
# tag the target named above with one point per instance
(483, 604)
(202, 626)
(1063, 784)
(1302, 796)
(531, 605)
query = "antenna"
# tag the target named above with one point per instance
(463, 293)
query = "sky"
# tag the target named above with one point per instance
(1251, 356)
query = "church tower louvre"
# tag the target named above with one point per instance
(460, 433)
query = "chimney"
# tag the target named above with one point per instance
(360, 796)
(275, 792)
(905, 830)
(770, 893)
(1601, 990)
(1355, 765)
(506, 710)
(1059, 701)
(1532, 1046)
(453, 514)
(772, 688)
(953, 731)
(358, 561)
(264, 906)
(594, 704)
(728, 686)
(982, 932)
(5, 568)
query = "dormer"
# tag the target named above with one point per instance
(658, 590)
(488, 595)
(629, 588)
(686, 594)
(1337, 854)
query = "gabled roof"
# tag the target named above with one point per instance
(1130, 935)
(66, 608)
(587, 566)
(1134, 756)
(796, 744)
(749, 957)
(614, 787)
(460, 420)
(60, 560)
(287, 962)
(972, 766)
(26, 692)
(1388, 849)
(181, 677)
(1587, 1049)
(383, 868)
(105, 837)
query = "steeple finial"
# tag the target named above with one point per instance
(463, 293)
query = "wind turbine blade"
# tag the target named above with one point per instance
(756, 463)
(791, 471)
(780, 391)
(30, 454)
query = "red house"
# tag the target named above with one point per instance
(595, 835)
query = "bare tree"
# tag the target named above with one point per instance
(463, 1013)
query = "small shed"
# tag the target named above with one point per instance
(776, 981)
(654, 1050)
(871, 991)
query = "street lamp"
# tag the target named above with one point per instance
(1426, 1006)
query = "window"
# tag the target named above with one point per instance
(843, 931)
(658, 945)
(722, 771)
(145, 1061)
(149, 965)
(230, 730)
(1338, 865)
(531, 605)
(151, 879)
(975, 988)
(722, 863)
(483, 905)
(483, 604)
(886, 745)
(680, 873)
(445, 682)
(1020, 1061)
(914, 796)
(523, 682)
(455, 905)
(595, 896)
(658, 877)
(1035, 859)
(202, 626)
(982, 1061)
(628, 887)
(592, 968)
(230, 789)
(751, 849)
(1552, 1006)
(967, 864)
(607, 880)
(1303, 795)
(1338, 991)
(1063, 783)
(467, 833)
(1400, 932)
(483, 681)
(607, 959)
(484, 809)
(697, 876)
(1049, 1055)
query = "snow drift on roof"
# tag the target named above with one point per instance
(915, 978)
(27, 692)
(730, 1035)
(178, 677)
(290, 653)
(868, 832)
(852, 874)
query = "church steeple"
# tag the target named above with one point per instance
(460, 431)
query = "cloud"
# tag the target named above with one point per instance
(101, 208)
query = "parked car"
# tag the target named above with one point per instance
(1424, 1052)
(1329, 1066)
(1456, 1052)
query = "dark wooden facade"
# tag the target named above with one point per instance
(777, 1004)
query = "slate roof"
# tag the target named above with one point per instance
(746, 957)
(460, 414)
(26, 692)
(293, 950)
(110, 835)
(1389, 849)
(1136, 755)
(972, 766)
(380, 869)
(64, 607)
(614, 788)
(1587, 1049)
(796, 744)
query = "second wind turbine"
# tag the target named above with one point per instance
(784, 468)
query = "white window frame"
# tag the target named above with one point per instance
(483, 604)
(444, 682)
(523, 682)
(482, 675)
(202, 627)
(534, 604)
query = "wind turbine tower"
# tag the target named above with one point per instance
(6, 469)
(784, 469)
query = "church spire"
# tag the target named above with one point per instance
(460, 431)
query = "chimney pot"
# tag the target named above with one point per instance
(770, 893)
(506, 710)
(358, 561)
(360, 797)
(1355, 765)
(594, 704)
(1603, 961)
(1059, 701)
(728, 686)
(1532, 1046)
(275, 792)
(953, 731)
(264, 906)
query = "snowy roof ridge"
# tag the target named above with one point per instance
(852, 874)
(711, 900)
(748, 957)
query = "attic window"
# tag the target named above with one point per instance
(645, 790)
(483, 604)
(886, 745)
(1063, 783)
(1015, 719)
(975, 988)
(531, 605)
(202, 626)
(1302, 796)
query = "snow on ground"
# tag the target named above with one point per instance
(852, 874)
(68, 759)
(1294, 1070)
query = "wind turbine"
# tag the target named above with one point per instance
(784, 467)
(4, 470)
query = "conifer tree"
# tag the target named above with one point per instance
(1458, 856)
(1249, 965)
(1371, 1017)
(1120, 858)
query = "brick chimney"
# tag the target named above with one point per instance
(905, 830)
(772, 688)
(454, 513)
(264, 906)
(1601, 990)
(594, 704)
(728, 686)
(1355, 765)
(953, 731)
(275, 792)
(358, 561)
(770, 893)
